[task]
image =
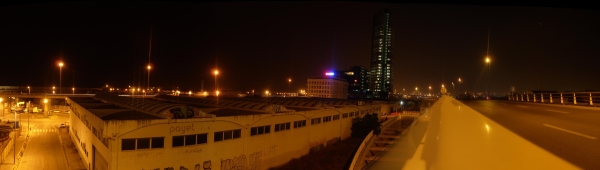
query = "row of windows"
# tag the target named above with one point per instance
(187, 140)
(319, 83)
(143, 143)
(260, 130)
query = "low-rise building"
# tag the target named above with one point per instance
(174, 132)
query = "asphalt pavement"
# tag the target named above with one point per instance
(569, 132)
(46, 146)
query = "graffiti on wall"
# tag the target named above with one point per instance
(205, 166)
(184, 112)
(256, 160)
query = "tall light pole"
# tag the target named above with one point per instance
(289, 82)
(453, 88)
(487, 60)
(73, 91)
(60, 77)
(29, 90)
(46, 105)
(2, 106)
(429, 90)
(149, 67)
(459, 82)
(216, 72)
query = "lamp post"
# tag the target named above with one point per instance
(46, 105)
(459, 82)
(216, 73)
(29, 90)
(453, 88)
(60, 77)
(53, 89)
(429, 90)
(73, 91)
(149, 67)
(487, 60)
(289, 82)
(2, 106)
(417, 90)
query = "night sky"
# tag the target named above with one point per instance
(259, 45)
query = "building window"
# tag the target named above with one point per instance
(315, 121)
(326, 119)
(158, 142)
(226, 135)
(345, 115)
(336, 117)
(300, 123)
(128, 144)
(142, 143)
(260, 130)
(282, 126)
(187, 140)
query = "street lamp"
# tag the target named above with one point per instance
(29, 90)
(73, 91)
(459, 82)
(487, 60)
(46, 105)
(216, 73)
(429, 90)
(453, 87)
(149, 67)
(289, 82)
(60, 79)
(2, 106)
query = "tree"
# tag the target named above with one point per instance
(361, 127)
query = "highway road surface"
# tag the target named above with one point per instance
(570, 132)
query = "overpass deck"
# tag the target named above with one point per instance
(450, 135)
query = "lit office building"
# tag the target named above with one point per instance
(381, 55)
(358, 81)
(328, 86)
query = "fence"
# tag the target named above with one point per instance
(575, 98)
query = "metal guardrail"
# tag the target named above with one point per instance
(359, 162)
(363, 148)
(575, 98)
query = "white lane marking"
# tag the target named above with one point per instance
(572, 132)
(556, 111)
(522, 106)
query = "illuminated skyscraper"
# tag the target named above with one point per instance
(381, 55)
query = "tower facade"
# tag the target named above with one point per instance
(381, 55)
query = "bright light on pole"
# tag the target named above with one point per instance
(289, 82)
(60, 77)
(29, 90)
(149, 67)
(216, 73)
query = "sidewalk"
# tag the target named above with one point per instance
(8, 161)
(73, 159)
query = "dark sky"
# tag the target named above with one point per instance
(259, 45)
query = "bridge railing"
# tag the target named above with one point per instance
(574, 98)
